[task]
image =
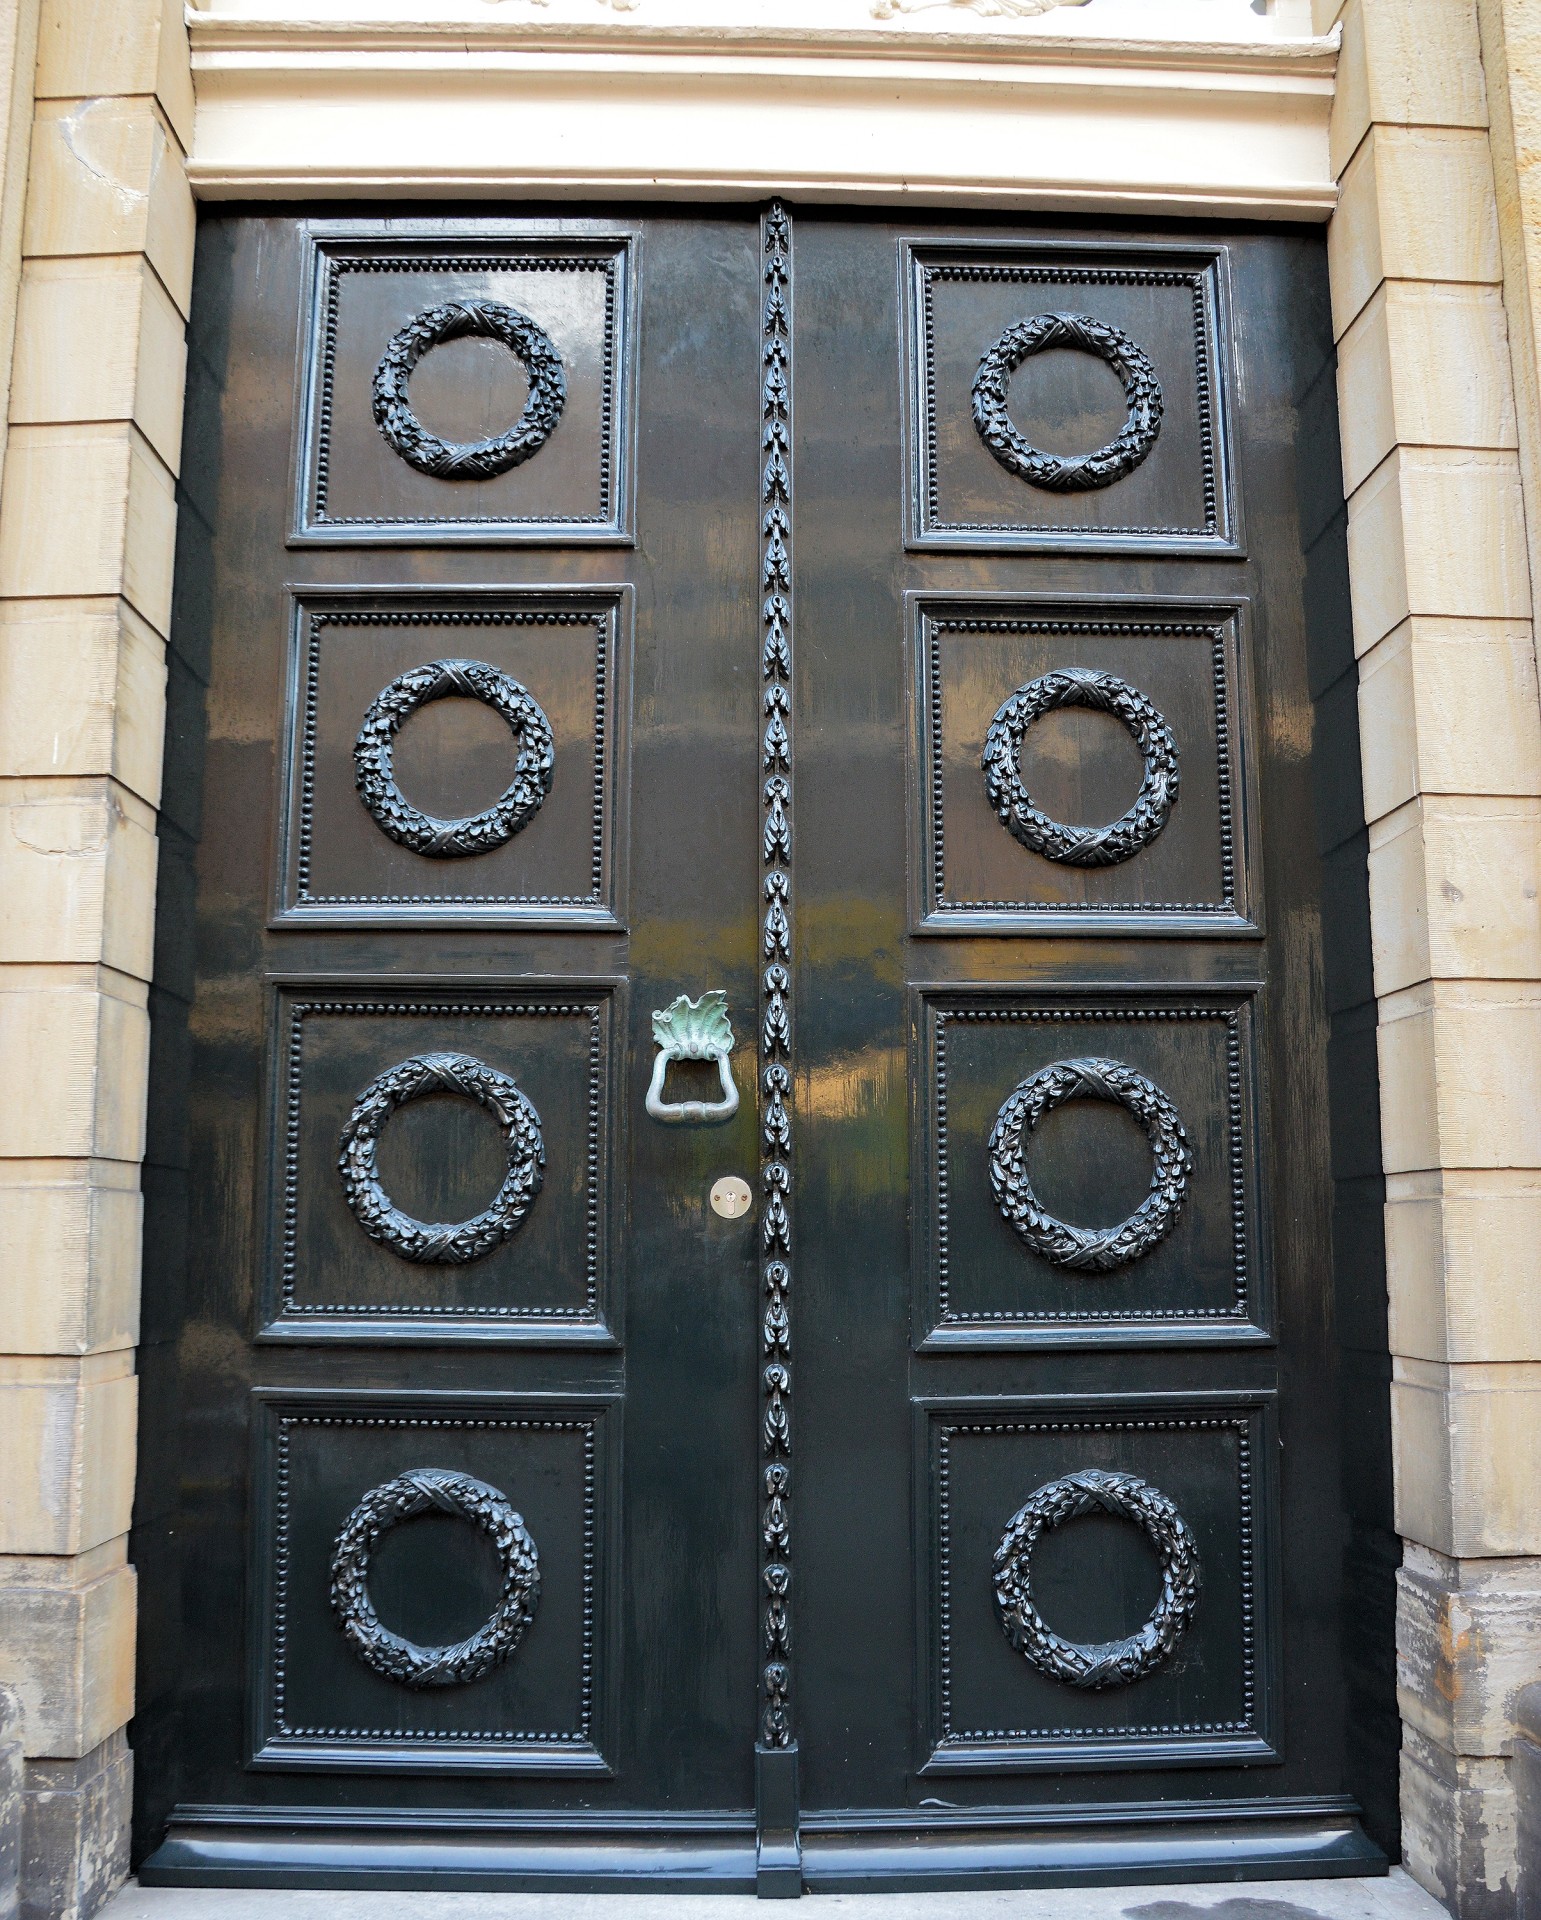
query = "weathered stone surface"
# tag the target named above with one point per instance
(67, 1647)
(1525, 1771)
(1468, 1642)
(11, 1768)
(1458, 1828)
(75, 1832)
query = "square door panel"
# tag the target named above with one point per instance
(1063, 351)
(456, 1234)
(1086, 1170)
(376, 1556)
(421, 422)
(1174, 1486)
(501, 798)
(1078, 767)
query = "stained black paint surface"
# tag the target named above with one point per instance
(618, 1746)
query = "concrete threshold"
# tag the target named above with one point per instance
(1394, 1896)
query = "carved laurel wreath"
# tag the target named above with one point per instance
(472, 459)
(1089, 1249)
(425, 1490)
(1008, 794)
(1067, 473)
(374, 768)
(416, 1240)
(1112, 1663)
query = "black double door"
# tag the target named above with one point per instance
(742, 1249)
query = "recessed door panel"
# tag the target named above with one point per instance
(434, 1582)
(467, 382)
(1080, 768)
(458, 758)
(1097, 1584)
(1069, 396)
(444, 1165)
(1086, 1170)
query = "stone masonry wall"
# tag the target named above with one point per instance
(1437, 391)
(87, 522)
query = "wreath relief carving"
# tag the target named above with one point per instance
(1067, 473)
(425, 1243)
(1008, 794)
(1110, 1663)
(434, 1490)
(1089, 1249)
(374, 767)
(472, 459)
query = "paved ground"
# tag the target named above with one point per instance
(1393, 1898)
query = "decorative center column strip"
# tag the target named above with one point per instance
(776, 1713)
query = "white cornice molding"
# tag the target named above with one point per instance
(452, 99)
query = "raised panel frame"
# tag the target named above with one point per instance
(273, 1742)
(1239, 912)
(1054, 262)
(942, 1750)
(332, 246)
(937, 1329)
(603, 1000)
(610, 609)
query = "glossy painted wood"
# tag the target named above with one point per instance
(602, 1366)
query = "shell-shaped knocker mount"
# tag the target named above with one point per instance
(693, 1030)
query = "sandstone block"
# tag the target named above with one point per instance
(67, 1429)
(1386, 72)
(70, 1236)
(77, 871)
(12, 1776)
(95, 47)
(75, 1066)
(1525, 1769)
(1466, 1454)
(1414, 203)
(1459, 1247)
(107, 176)
(1437, 533)
(1424, 366)
(99, 339)
(1459, 1066)
(1455, 891)
(88, 511)
(82, 691)
(1449, 706)
(1458, 1828)
(68, 1652)
(1468, 1640)
(75, 1832)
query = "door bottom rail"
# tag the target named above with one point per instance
(295, 1847)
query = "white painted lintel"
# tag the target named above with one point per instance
(376, 105)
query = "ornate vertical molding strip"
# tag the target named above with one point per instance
(780, 1864)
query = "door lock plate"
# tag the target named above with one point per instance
(731, 1198)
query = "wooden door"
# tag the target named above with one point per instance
(741, 1223)
(1077, 891)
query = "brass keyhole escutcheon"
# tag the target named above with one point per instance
(731, 1198)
